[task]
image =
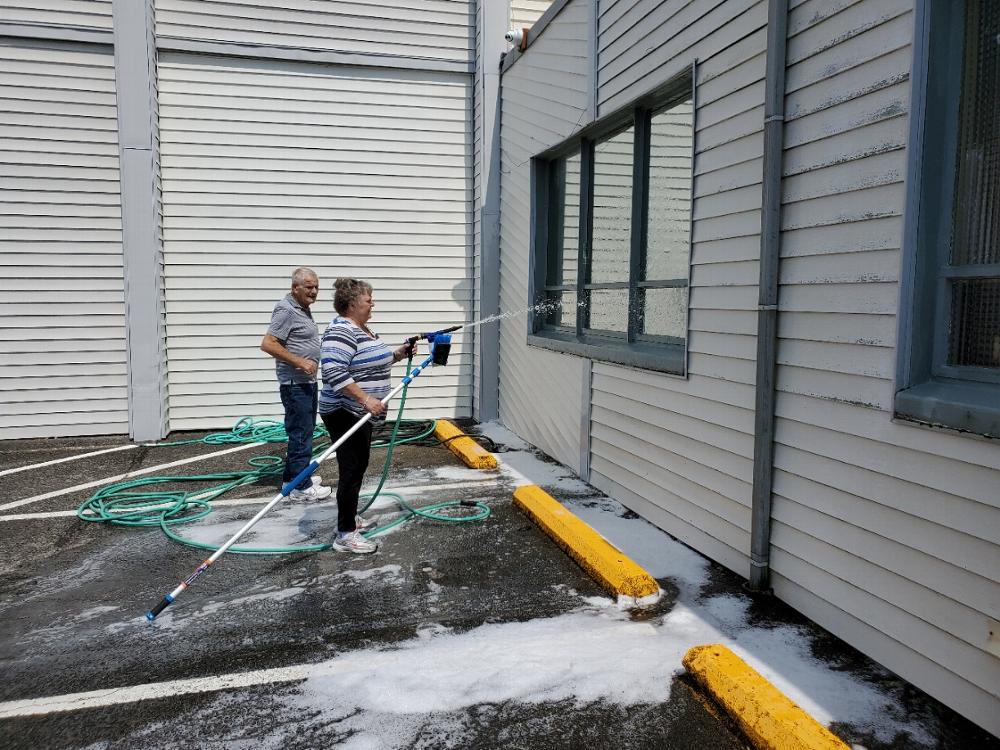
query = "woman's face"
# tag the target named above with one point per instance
(361, 309)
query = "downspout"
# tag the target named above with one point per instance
(767, 308)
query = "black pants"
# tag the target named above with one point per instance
(352, 461)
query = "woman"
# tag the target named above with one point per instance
(355, 364)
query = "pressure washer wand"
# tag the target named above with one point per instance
(286, 490)
(430, 336)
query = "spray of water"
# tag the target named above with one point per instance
(543, 308)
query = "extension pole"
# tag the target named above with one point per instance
(285, 491)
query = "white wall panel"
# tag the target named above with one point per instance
(432, 29)
(541, 392)
(351, 171)
(62, 307)
(88, 14)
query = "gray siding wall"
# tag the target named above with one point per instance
(438, 29)
(62, 307)
(679, 451)
(86, 14)
(540, 391)
(884, 533)
(351, 171)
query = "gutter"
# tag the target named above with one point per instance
(767, 307)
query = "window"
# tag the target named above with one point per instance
(949, 369)
(612, 235)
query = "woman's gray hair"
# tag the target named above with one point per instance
(346, 291)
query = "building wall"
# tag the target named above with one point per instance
(431, 29)
(62, 304)
(348, 170)
(679, 451)
(545, 97)
(884, 533)
(87, 14)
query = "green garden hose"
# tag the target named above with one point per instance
(127, 504)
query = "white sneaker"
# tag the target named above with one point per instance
(363, 524)
(313, 492)
(354, 542)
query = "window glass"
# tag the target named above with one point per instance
(669, 219)
(664, 311)
(571, 220)
(974, 330)
(608, 310)
(612, 208)
(560, 304)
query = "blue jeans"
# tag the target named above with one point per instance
(300, 402)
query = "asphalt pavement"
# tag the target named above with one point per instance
(234, 661)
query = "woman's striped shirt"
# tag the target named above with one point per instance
(349, 355)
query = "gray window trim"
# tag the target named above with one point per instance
(928, 391)
(660, 353)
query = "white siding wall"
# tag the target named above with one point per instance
(477, 202)
(524, 13)
(439, 29)
(90, 14)
(352, 171)
(545, 97)
(62, 307)
(885, 534)
(680, 451)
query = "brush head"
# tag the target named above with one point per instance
(440, 347)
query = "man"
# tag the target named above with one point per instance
(293, 340)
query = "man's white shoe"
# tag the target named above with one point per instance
(315, 491)
(354, 542)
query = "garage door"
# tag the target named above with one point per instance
(351, 171)
(62, 308)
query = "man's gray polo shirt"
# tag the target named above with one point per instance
(294, 327)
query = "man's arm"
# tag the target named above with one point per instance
(270, 345)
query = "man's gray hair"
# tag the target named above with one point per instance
(299, 275)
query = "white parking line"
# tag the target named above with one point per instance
(127, 475)
(153, 690)
(416, 490)
(55, 461)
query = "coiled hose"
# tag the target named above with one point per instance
(132, 503)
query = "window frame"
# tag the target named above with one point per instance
(928, 390)
(668, 354)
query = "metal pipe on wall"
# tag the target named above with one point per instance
(767, 308)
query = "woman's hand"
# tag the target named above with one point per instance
(404, 351)
(374, 407)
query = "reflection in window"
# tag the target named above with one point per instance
(668, 224)
(615, 234)
(612, 208)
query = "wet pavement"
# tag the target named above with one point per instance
(470, 635)
(74, 595)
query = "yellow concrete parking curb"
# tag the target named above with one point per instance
(604, 562)
(467, 449)
(766, 715)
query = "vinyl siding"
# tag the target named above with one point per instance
(477, 205)
(545, 98)
(679, 451)
(87, 14)
(884, 534)
(62, 307)
(431, 29)
(524, 13)
(351, 171)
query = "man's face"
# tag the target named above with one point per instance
(305, 293)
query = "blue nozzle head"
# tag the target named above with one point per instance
(440, 347)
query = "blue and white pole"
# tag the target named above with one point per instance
(285, 491)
